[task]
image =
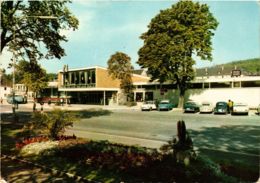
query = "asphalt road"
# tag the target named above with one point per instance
(152, 129)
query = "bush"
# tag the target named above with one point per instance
(51, 124)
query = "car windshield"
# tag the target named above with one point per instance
(221, 104)
(190, 103)
(148, 102)
(206, 104)
(164, 102)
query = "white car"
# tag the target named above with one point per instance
(206, 107)
(148, 106)
(240, 108)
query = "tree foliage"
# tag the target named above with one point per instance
(174, 36)
(119, 67)
(26, 29)
(32, 75)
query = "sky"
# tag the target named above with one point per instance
(108, 26)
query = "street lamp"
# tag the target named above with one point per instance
(14, 55)
(65, 71)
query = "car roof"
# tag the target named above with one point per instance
(165, 100)
(240, 103)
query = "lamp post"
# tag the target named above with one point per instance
(15, 105)
(65, 71)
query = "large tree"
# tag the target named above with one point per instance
(33, 76)
(119, 67)
(33, 29)
(173, 38)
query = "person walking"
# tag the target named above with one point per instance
(230, 106)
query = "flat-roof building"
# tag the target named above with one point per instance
(93, 85)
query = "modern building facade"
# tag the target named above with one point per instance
(93, 85)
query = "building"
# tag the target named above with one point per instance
(93, 85)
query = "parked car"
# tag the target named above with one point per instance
(19, 99)
(191, 107)
(148, 105)
(240, 108)
(206, 107)
(221, 108)
(165, 105)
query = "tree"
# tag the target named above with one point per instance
(33, 76)
(174, 36)
(25, 31)
(119, 67)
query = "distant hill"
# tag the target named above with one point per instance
(248, 67)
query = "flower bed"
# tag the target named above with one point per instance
(39, 148)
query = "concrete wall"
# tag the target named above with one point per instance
(103, 80)
(251, 96)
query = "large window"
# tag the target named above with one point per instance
(250, 84)
(220, 85)
(195, 86)
(82, 77)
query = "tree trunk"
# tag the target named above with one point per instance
(181, 97)
(34, 101)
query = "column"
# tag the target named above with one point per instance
(104, 98)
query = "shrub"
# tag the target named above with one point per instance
(51, 124)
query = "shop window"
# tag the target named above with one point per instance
(206, 85)
(250, 84)
(195, 86)
(139, 97)
(220, 85)
(148, 96)
(236, 84)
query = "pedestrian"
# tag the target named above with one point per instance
(229, 105)
(1, 100)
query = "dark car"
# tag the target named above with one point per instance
(221, 108)
(191, 107)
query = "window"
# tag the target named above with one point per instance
(206, 85)
(93, 76)
(250, 84)
(195, 86)
(82, 78)
(236, 84)
(221, 85)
